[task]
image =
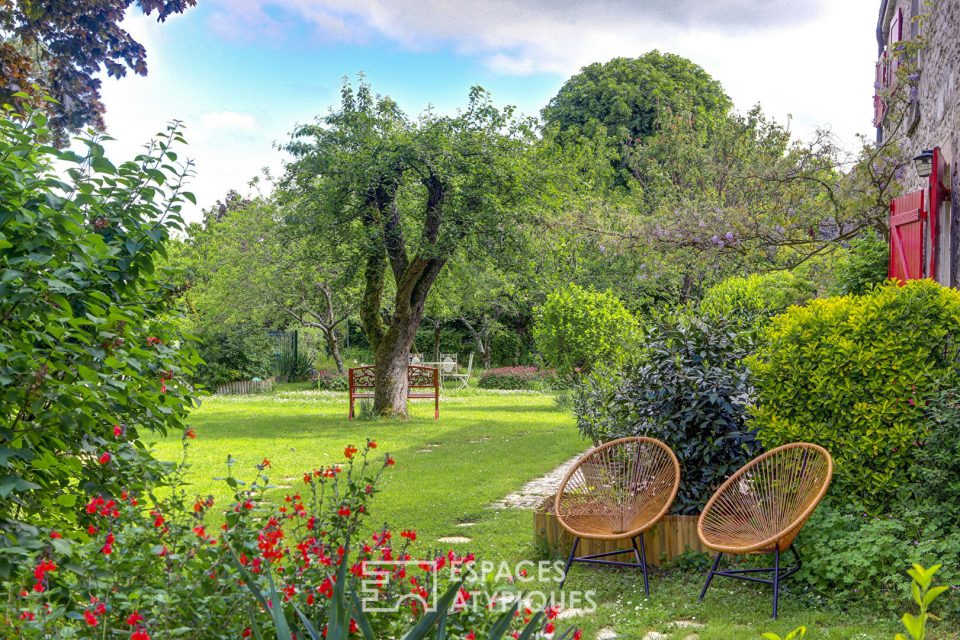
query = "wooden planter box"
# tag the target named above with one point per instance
(668, 539)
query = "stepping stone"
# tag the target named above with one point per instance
(454, 540)
(466, 524)
(606, 634)
(569, 613)
(686, 624)
(655, 635)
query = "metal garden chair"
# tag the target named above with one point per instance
(616, 492)
(761, 509)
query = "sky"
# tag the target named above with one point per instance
(241, 74)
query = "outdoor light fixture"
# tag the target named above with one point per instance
(924, 163)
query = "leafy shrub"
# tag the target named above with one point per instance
(862, 266)
(936, 465)
(852, 374)
(517, 378)
(331, 380)
(577, 329)
(90, 352)
(233, 352)
(690, 391)
(295, 367)
(752, 300)
(161, 567)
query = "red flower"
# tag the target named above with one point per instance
(343, 512)
(153, 341)
(158, 519)
(42, 569)
(190, 433)
(117, 431)
(246, 633)
(349, 452)
(549, 628)
(577, 634)
(90, 618)
(55, 535)
(471, 636)
(26, 615)
(372, 444)
(105, 458)
(134, 618)
(390, 461)
(140, 634)
(409, 534)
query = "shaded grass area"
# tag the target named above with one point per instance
(485, 446)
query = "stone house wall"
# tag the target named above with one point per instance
(934, 120)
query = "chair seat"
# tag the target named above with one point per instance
(618, 490)
(764, 505)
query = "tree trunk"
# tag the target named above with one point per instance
(333, 343)
(392, 357)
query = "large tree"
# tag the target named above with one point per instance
(626, 95)
(407, 196)
(58, 47)
(252, 265)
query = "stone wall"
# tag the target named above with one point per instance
(936, 121)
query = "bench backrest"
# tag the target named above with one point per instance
(417, 377)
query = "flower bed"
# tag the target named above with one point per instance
(519, 378)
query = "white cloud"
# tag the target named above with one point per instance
(228, 120)
(811, 59)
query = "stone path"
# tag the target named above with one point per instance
(533, 493)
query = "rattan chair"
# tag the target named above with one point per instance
(761, 509)
(616, 492)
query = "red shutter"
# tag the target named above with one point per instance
(906, 237)
(896, 35)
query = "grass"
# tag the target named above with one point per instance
(485, 446)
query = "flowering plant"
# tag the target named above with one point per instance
(164, 564)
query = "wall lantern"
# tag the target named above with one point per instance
(924, 163)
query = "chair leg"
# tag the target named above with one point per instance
(713, 570)
(776, 579)
(642, 561)
(573, 553)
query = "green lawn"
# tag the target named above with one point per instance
(485, 446)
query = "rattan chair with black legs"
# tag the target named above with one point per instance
(761, 509)
(616, 492)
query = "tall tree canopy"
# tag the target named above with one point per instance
(409, 196)
(59, 46)
(626, 95)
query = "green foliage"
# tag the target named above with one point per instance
(862, 266)
(577, 329)
(690, 390)
(331, 381)
(797, 634)
(626, 95)
(924, 593)
(750, 301)
(91, 360)
(853, 374)
(295, 367)
(234, 352)
(936, 465)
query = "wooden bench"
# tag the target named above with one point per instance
(422, 383)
